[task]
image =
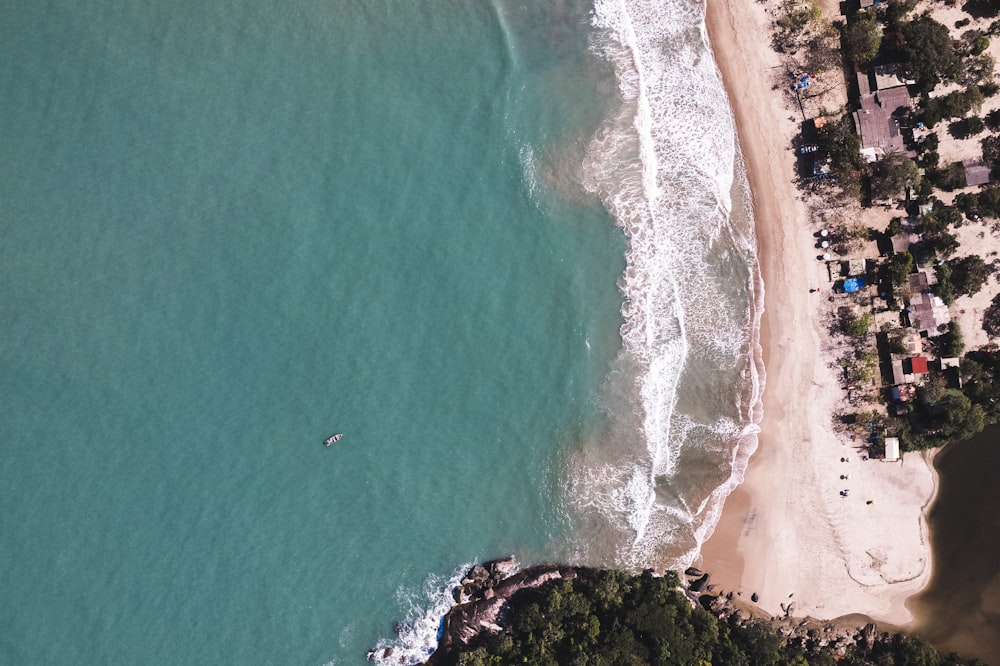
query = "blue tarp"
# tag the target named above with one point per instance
(851, 285)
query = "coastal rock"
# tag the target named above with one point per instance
(486, 600)
(477, 574)
(699, 584)
(868, 635)
(693, 572)
(754, 597)
(502, 568)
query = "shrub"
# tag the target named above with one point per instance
(944, 289)
(900, 266)
(951, 343)
(858, 326)
(991, 318)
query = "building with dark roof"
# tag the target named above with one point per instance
(976, 173)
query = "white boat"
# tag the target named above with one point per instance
(332, 440)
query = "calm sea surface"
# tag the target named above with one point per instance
(231, 229)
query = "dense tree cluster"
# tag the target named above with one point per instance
(862, 39)
(955, 104)
(968, 274)
(615, 619)
(842, 146)
(892, 174)
(930, 54)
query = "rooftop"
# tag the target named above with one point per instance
(929, 313)
(875, 123)
(976, 173)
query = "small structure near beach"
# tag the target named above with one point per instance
(891, 449)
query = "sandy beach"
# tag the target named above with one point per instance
(787, 534)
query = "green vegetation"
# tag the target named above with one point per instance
(900, 265)
(944, 287)
(857, 325)
(930, 54)
(979, 373)
(795, 16)
(991, 318)
(951, 344)
(843, 149)
(952, 177)
(972, 126)
(953, 105)
(862, 39)
(610, 618)
(892, 174)
(942, 416)
(968, 274)
(985, 203)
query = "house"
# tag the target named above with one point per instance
(917, 365)
(921, 281)
(891, 449)
(909, 370)
(929, 314)
(976, 172)
(890, 76)
(876, 121)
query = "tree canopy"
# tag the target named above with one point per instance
(610, 618)
(843, 148)
(862, 39)
(930, 55)
(968, 274)
(892, 174)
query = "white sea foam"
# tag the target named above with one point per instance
(423, 610)
(665, 167)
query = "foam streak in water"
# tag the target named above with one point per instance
(665, 167)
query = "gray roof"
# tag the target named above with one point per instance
(874, 121)
(902, 242)
(976, 173)
(929, 313)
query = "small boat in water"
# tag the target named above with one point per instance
(332, 440)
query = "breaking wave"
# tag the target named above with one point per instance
(417, 633)
(684, 395)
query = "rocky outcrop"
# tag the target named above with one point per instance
(483, 594)
(482, 598)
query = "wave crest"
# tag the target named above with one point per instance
(665, 167)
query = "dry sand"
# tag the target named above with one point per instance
(786, 533)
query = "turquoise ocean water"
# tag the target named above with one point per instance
(231, 229)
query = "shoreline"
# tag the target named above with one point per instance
(785, 533)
